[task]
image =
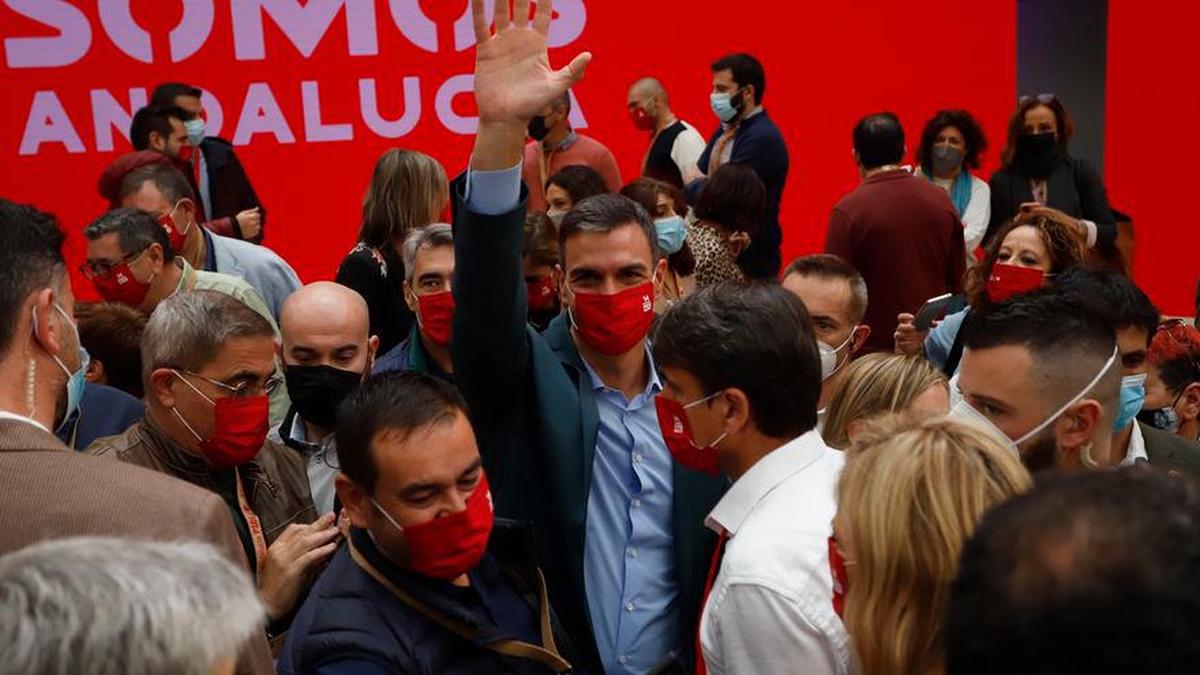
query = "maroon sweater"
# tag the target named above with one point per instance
(904, 236)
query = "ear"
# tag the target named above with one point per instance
(738, 242)
(161, 389)
(157, 142)
(660, 271)
(1079, 426)
(860, 338)
(372, 349)
(354, 499)
(410, 298)
(1190, 402)
(49, 332)
(157, 258)
(748, 93)
(738, 418)
(188, 206)
(95, 372)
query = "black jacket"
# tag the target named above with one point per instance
(352, 623)
(1172, 453)
(1074, 187)
(229, 187)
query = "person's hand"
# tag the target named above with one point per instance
(343, 523)
(250, 223)
(513, 79)
(292, 561)
(908, 340)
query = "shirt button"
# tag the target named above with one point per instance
(633, 553)
(628, 608)
(622, 659)
(638, 458)
(637, 503)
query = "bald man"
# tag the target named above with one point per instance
(327, 352)
(675, 145)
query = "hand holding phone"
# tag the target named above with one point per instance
(932, 310)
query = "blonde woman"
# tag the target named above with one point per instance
(910, 495)
(408, 190)
(882, 383)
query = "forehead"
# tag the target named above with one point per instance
(1039, 113)
(624, 245)
(325, 322)
(433, 259)
(435, 453)
(1024, 237)
(1132, 339)
(679, 379)
(950, 131)
(147, 198)
(825, 296)
(105, 247)
(1004, 374)
(243, 354)
(724, 77)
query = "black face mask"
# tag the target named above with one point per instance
(1038, 154)
(318, 391)
(538, 130)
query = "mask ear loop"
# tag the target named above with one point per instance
(179, 415)
(1058, 413)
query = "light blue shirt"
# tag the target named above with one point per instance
(629, 560)
(491, 193)
(940, 340)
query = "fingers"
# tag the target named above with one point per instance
(316, 556)
(521, 13)
(503, 18)
(574, 70)
(541, 20)
(482, 30)
(905, 318)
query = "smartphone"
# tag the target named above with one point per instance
(931, 311)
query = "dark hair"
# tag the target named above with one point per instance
(959, 119)
(1175, 352)
(399, 402)
(153, 118)
(112, 334)
(1066, 248)
(1090, 572)
(829, 266)
(166, 93)
(605, 213)
(734, 199)
(746, 71)
(167, 179)
(754, 337)
(136, 229)
(645, 191)
(541, 240)
(580, 182)
(1112, 296)
(1016, 126)
(30, 258)
(879, 140)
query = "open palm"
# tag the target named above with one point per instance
(513, 77)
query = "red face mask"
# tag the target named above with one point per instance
(613, 324)
(122, 286)
(641, 119)
(435, 315)
(837, 568)
(540, 294)
(449, 547)
(239, 429)
(185, 153)
(677, 434)
(1009, 280)
(174, 234)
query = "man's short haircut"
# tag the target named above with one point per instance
(188, 330)
(135, 229)
(427, 238)
(829, 266)
(167, 179)
(1092, 572)
(1068, 340)
(30, 258)
(579, 181)
(153, 118)
(754, 337)
(112, 334)
(746, 71)
(397, 403)
(166, 93)
(879, 140)
(110, 606)
(603, 214)
(1113, 296)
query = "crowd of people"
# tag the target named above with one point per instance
(598, 426)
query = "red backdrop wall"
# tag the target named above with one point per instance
(1150, 142)
(827, 65)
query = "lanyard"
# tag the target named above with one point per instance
(547, 656)
(253, 524)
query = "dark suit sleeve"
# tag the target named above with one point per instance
(838, 239)
(762, 153)
(1093, 202)
(957, 269)
(232, 193)
(1002, 208)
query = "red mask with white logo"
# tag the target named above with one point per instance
(176, 236)
(1006, 281)
(122, 286)
(677, 434)
(613, 324)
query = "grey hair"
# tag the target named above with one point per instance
(109, 606)
(135, 229)
(188, 329)
(167, 179)
(428, 237)
(603, 214)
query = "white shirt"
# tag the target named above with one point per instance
(1137, 447)
(771, 606)
(686, 150)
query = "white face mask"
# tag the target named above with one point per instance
(966, 412)
(829, 356)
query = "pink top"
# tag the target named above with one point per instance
(586, 151)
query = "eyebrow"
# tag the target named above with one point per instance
(417, 488)
(429, 276)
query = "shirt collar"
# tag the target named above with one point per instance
(745, 494)
(565, 143)
(653, 384)
(1137, 447)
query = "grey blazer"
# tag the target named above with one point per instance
(261, 267)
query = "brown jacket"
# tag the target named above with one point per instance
(49, 492)
(275, 481)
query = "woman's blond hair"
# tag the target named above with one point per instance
(408, 190)
(876, 384)
(910, 495)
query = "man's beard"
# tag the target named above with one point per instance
(1040, 453)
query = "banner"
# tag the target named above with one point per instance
(311, 93)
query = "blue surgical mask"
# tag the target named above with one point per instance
(1133, 395)
(195, 130)
(671, 233)
(723, 107)
(75, 380)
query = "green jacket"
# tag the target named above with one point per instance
(535, 415)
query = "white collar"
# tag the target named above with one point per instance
(1137, 447)
(768, 473)
(6, 415)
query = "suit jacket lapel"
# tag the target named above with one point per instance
(558, 336)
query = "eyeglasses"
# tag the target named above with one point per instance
(1040, 98)
(104, 269)
(245, 389)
